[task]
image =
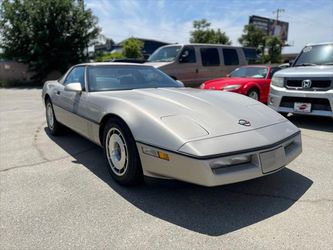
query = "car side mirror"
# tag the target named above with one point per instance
(284, 65)
(180, 83)
(185, 54)
(183, 57)
(74, 87)
(291, 62)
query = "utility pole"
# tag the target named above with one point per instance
(81, 3)
(277, 12)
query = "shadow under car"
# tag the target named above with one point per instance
(312, 122)
(211, 211)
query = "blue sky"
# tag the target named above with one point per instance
(171, 20)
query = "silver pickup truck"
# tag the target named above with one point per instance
(307, 86)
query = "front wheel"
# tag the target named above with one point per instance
(254, 94)
(121, 153)
(52, 123)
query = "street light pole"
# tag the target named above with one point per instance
(81, 3)
(278, 11)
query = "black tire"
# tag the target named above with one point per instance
(131, 173)
(252, 93)
(54, 126)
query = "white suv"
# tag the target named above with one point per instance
(307, 86)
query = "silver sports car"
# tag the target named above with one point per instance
(148, 124)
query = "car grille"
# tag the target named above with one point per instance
(316, 84)
(316, 103)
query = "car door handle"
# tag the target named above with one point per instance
(58, 92)
(196, 71)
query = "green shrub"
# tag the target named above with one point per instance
(132, 48)
(104, 57)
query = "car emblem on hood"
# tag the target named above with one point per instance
(244, 123)
(306, 83)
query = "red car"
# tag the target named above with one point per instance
(253, 81)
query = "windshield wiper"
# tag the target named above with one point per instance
(306, 64)
(330, 63)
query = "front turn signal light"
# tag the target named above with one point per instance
(163, 156)
(155, 153)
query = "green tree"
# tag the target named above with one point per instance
(253, 37)
(47, 34)
(132, 48)
(203, 34)
(274, 48)
(269, 47)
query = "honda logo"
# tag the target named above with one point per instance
(306, 84)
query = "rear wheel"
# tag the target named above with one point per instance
(121, 154)
(254, 94)
(53, 125)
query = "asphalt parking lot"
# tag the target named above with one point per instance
(56, 193)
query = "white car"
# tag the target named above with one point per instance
(307, 87)
(148, 124)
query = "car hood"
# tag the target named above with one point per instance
(194, 113)
(303, 71)
(226, 81)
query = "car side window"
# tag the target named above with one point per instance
(76, 75)
(188, 55)
(250, 55)
(210, 57)
(273, 71)
(230, 57)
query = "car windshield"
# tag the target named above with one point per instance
(254, 72)
(315, 55)
(165, 54)
(123, 77)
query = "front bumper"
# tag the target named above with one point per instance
(214, 172)
(322, 101)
